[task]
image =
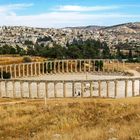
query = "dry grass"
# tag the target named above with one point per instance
(5, 60)
(70, 119)
(133, 66)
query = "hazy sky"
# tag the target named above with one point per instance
(63, 13)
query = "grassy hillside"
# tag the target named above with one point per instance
(70, 119)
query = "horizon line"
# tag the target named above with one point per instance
(71, 26)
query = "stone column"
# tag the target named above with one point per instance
(126, 86)
(94, 66)
(38, 89)
(89, 62)
(27, 69)
(21, 89)
(40, 63)
(107, 88)
(23, 72)
(62, 66)
(19, 70)
(46, 67)
(116, 83)
(11, 71)
(55, 90)
(75, 65)
(51, 66)
(99, 68)
(133, 88)
(67, 66)
(71, 66)
(118, 65)
(55, 67)
(99, 90)
(29, 87)
(6, 88)
(73, 89)
(123, 66)
(112, 65)
(14, 90)
(1, 70)
(43, 68)
(82, 89)
(15, 72)
(58, 66)
(35, 69)
(91, 89)
(80, 68)
(28, 65)
(31, 69)
(64, 89)
(38, 68)
(84, 66)
(46, 90)
(0, 90)
(139, 87)
(103, 65)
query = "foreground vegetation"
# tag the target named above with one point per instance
(70, 119)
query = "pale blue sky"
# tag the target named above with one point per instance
(63, 13)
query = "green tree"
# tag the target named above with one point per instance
(106, 51)
(130, 56)
(12, 50)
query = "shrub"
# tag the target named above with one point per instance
(45, 69)
(101, 65)
(27, 59)
(97, 65)
(49, 68)
(6, 75)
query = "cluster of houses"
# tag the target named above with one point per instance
(114, 37)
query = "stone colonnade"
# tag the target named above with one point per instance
(69, 88)
(62, 66)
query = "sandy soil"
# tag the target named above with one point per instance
(75, 76)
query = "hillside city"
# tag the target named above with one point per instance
(125, 36)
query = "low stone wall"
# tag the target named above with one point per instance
(61, 66)
(110, 88)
